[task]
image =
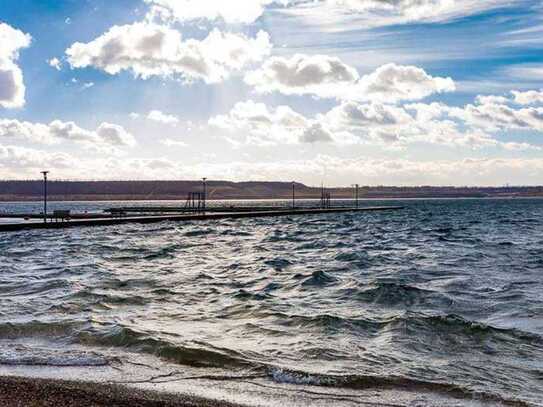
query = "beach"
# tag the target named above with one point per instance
(30, 392)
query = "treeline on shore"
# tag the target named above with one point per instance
(179, 190)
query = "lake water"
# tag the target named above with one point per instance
(444, 296)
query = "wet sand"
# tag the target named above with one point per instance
(23, 392)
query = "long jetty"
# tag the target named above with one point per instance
(154, 218)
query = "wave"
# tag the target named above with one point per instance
(359, 382)
(396, 294)
(319, 278)
(33, 329)
(418, 328)
(204, 355)
(20, 355)
(195, 354)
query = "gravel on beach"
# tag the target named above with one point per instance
(26, 392)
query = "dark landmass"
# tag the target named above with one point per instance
(178, 190)
(23, 392)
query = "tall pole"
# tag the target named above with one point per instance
(322, 195)
(45, 195)
(357, 186)
(205, 192)
(293, 195)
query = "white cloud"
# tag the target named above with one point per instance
(530, 97)
(371, 171)
(55, 63)
(491, 99)
(105, 135)
(363, 170)
(154, 50)
(115, 135)
(495, 117)
(372, 13)
(355, 115)
(168, 142)
(87, 85)
(18, 162)
(231, 11)
(525, 72)
(393, 82)
(259, 125)
(316, 133)
(158, 116)
(328, 77)
(385, 125)
(12, 88)
(394, 126)
(320, 75)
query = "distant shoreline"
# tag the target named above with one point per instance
(89, 191)
(181, 200)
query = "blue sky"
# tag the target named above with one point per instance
(341, 91)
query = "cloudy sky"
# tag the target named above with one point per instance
(395, 92)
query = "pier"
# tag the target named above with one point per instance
(195, 208)
(86, 220)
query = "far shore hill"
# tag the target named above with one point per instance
(13, 191)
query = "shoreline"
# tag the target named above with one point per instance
(22, 391)
(33, 392)
(179, 199)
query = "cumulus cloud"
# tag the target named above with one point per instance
(396, 126)
(491, 99)
(364, 170)
(316, 133)
(20, 161)
(105, 135)
(261, 125)
(12, 88)
(231, 11)
(158, 116)
(168, 142)
(148, 50)
(390, 126)
(17, 162)
(356, 115)
(530, 97)
(115, 135)
(302, 74)
(328, 77)
(55, 63)
(496, 117)
(393, 82)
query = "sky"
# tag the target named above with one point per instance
(375, 92)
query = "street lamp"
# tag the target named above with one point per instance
(45, 195)
(204, 184)
(356, 187)
(293, 195)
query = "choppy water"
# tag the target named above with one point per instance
(446, 294)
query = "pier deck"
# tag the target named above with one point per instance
(36, 225)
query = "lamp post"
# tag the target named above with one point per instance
(293, 195)
(356, 188)
(204, 184)
(45, 195)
